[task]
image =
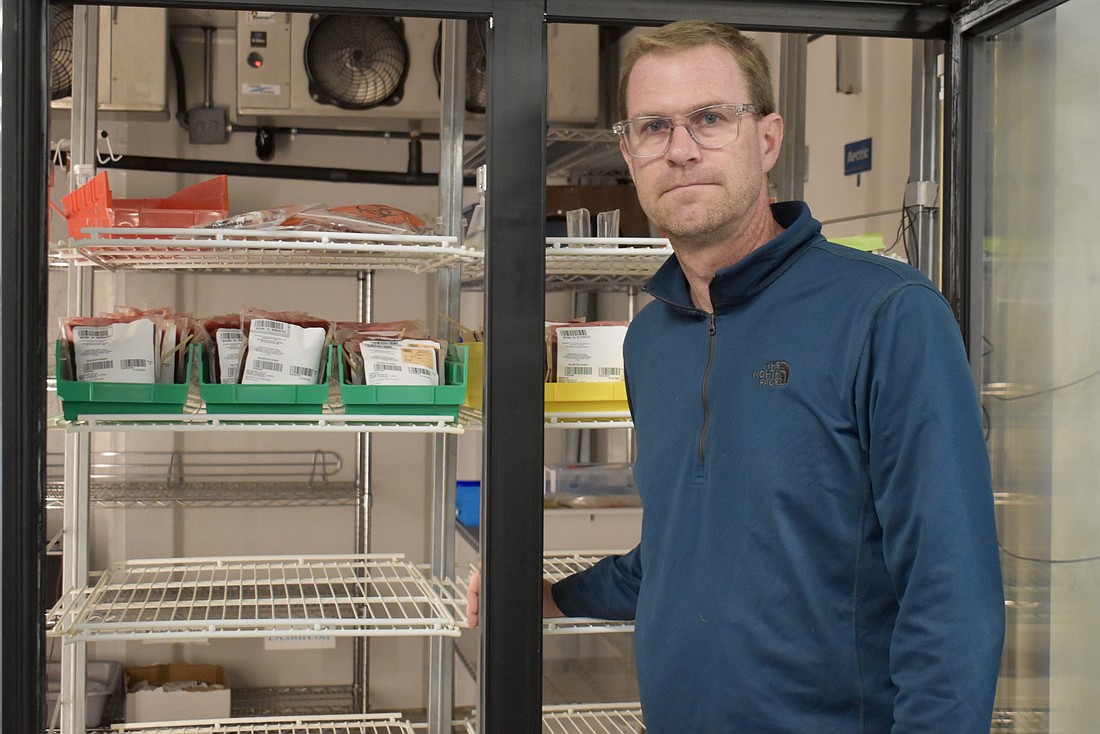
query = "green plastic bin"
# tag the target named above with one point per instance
(268, 399)
(417, 400)
(99, 398)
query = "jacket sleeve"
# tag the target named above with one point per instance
(930, 477)
(607, 590)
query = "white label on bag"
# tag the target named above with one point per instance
(122, 352)
(399, 362)
(230, 346)
(280, 353)
(590, 353)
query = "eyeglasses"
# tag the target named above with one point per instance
(710, 127)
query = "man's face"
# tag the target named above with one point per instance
(700, 195)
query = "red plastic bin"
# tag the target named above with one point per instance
(92, 205)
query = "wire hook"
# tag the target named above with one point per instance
(111, 157)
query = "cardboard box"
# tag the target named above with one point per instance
(157, 704)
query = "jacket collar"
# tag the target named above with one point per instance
(745, 278)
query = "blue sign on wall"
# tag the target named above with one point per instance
(857, 157)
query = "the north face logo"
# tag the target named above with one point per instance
(774, 374)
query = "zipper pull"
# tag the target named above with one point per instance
(713, 324)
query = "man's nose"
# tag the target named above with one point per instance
(682, 145)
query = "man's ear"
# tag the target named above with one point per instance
(771, 139)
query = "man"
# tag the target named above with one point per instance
(818, 549)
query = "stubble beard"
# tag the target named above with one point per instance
(708, 223)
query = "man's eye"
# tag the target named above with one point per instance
(709, 118)
(654, 127)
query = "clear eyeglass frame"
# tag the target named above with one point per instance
(688, 120)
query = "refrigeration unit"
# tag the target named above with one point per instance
(379, 72)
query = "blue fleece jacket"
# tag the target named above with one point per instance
(818, 549)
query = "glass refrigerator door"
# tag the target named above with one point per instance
(1035, 98)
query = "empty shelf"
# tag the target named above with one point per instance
(263, 596)
(593, 261)
(610, 718)
(590, 719)
(354, 724)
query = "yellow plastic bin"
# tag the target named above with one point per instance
(564, 398)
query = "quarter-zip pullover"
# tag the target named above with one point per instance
(818, 549)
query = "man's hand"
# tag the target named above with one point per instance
(473, 600)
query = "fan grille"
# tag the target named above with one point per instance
(356, 61)
(61, 51)
(477, 87)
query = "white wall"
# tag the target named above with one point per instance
(880, 112)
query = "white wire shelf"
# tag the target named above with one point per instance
(472, 419)
(555, 567)
(211, 494)
(611, 419)
(607, 718)
(595, 261)
(259, 250)
(293, 701)
(261, 596)
(615, 718)
(306, 465)
(1021, 721)
(351, 724)
(279, 703)
(330, 422)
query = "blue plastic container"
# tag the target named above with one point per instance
(468, 502)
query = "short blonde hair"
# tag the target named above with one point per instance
(688, 34)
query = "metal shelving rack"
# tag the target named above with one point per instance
(362, 595)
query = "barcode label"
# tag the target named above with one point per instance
(421, 371)
(85, 332)
(230, 335)
(387, 367)
(573, 369)
(267, 364)
(132, 364)
(610, 371)
(99, 364)
(270, 325)
(572, 333)
(297, 371)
